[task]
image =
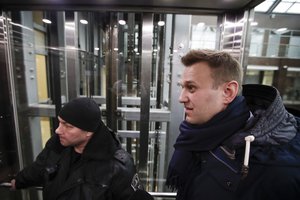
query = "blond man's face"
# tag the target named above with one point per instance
(201, 100)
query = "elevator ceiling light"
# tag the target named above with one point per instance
(254, 23)
(200, 24)
(281, 29)
(262, 68)
(47, 21)
(122, 22)
(83, 21)
(160, 23)
(293, 69)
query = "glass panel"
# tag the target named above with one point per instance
(259, 77)
(292, 88)
(204, 32)
(38, 17)
(279, 42)
(42, 87)
(257, 42)
(252, 77)
(273, 45)
(294, 47)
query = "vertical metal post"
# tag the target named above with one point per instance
(246, 38)
(159, 97)
(147, 36)
(72, 71)
(90, 54)
(130, 67)
(112, 63)
(121, 64)
(54, 62)
(164, 146)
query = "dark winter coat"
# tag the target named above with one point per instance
(104, 172)
(274, 166)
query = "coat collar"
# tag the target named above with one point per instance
(270, 124)
(102, 145)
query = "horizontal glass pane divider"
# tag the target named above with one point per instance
(126, 100)
(42, 110)
(136, 134)
(133, 114)
(127, 114)
(98, 99)
(239, 33)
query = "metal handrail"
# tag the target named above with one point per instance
(5, 184)
(163, 194)
(153, 194)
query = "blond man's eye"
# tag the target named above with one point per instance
(191, 88)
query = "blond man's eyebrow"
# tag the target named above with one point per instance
(186, 83)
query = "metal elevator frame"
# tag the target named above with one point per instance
(114, 106)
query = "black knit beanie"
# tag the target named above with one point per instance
(84, 113)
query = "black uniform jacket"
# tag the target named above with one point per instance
(104, 171)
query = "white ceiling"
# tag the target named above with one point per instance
(279, 6)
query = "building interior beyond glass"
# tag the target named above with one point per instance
(126, 56)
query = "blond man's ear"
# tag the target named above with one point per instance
(230, 90)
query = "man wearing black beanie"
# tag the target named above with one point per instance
(83, 160)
